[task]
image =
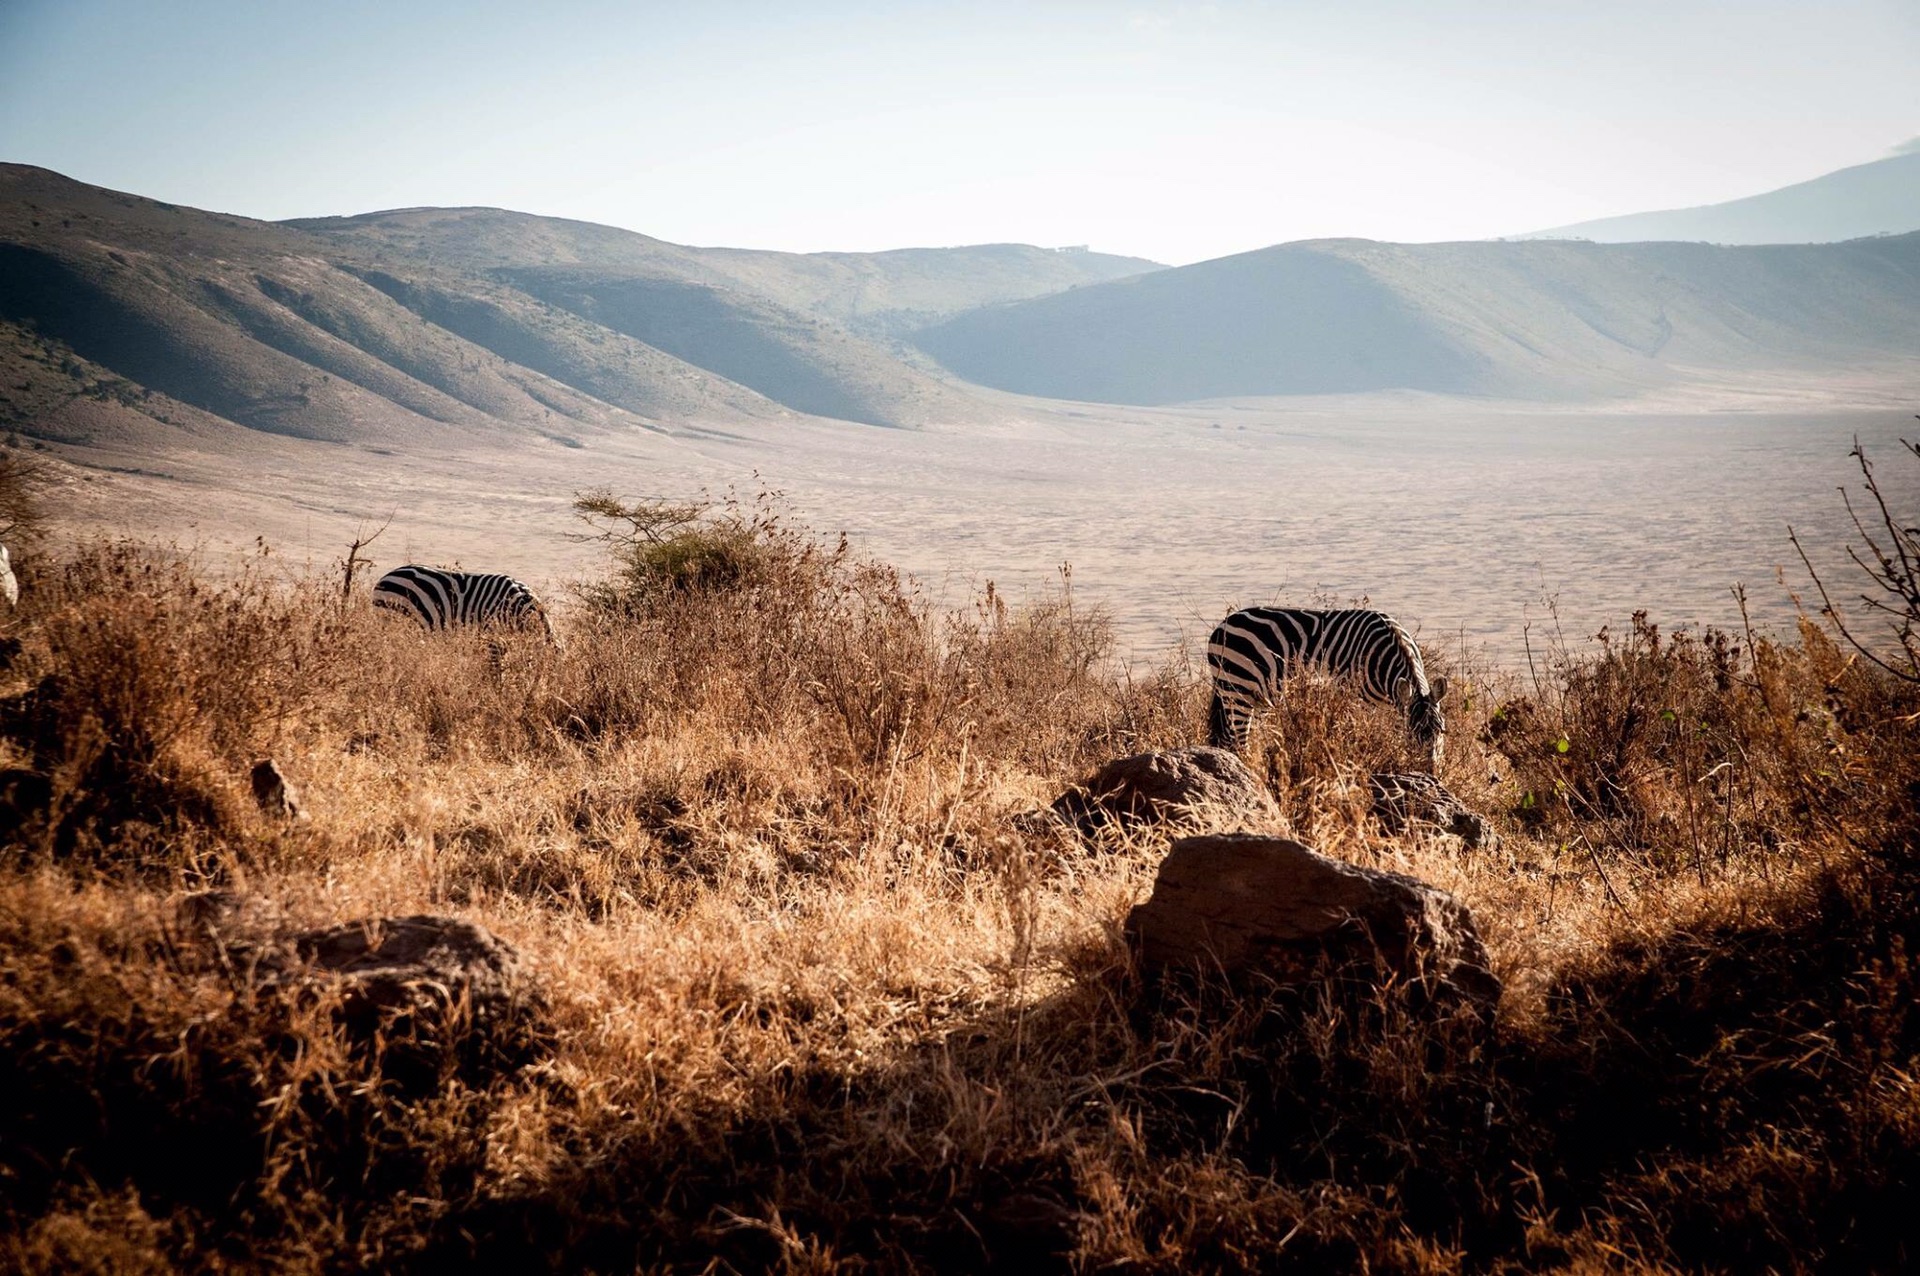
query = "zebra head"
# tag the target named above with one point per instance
(1425, 721)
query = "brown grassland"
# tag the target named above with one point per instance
(817, 998)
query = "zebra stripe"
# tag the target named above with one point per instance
(1252, 651)
(442, 599)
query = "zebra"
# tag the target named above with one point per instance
(1252, 651)
(442, 599)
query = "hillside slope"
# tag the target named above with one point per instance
(275, 330)
(1541, 319)
(1880, 198)
(444, 325)
(873, 294)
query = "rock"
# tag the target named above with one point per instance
(1199, 788)
(275, 793)
(431, 996)
(1401, 799)
(438, 996)
(1267, 907)
(410, 963)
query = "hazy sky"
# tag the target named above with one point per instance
(1174, 131)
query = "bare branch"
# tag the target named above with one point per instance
(354, 559)
(1894, 576)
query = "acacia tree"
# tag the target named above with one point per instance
(675, 546)
(1887, 556)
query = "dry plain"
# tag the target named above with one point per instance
(1467, 517)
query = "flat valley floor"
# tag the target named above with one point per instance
(1474, 521)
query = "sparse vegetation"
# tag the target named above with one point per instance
(817, 996)
(22, 520)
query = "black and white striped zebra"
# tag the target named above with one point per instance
(1254, 650)
(441, 599)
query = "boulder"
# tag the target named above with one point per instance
(1415, 799)
(432, 996)
(1266, 908)
(1200, 788)
(427, 971)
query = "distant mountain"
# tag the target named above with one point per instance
(1880, 198)
(1538, 319)
(127, 316)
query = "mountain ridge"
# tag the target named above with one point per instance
(1880, 197)
(1545, 319)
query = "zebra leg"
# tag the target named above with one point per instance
(1220, 726)
(1229, 722)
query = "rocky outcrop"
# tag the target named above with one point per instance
(1259, 909)
(1412, 799)
(1198, 789)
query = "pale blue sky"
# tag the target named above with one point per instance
(1175, 131)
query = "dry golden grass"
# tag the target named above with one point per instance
(820, 1000)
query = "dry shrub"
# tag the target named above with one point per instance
(22, 511)
(801, 635)
(156, 688)
(1688, 751)
(153, 1082)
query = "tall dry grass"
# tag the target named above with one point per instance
(819, 998)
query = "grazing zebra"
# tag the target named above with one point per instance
(1254, 650)
(9, 587)
(442, 599)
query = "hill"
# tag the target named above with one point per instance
(130, 316)
(140, 320)
(1540, 319)
(875, 294)
(1880, 198)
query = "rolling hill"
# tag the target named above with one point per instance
(130, 317)
(875, 294)
(1880, 198)
(1538, 319)
(127, 317)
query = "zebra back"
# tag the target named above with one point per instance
(442, 599)
(1253, 650)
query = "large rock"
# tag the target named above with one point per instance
(1414, 799)
(434, 996)
(1266, 907)
(445, 984)
(1199, 789)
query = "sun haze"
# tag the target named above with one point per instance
(1172, 131)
